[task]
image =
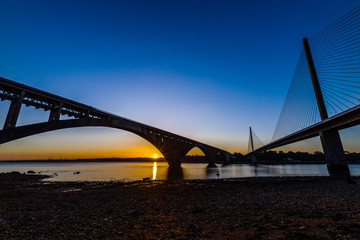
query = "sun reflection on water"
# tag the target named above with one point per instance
(154, 171)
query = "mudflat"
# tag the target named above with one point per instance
(247, 208)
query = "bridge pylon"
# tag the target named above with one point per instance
(330, 140)
(251, 146)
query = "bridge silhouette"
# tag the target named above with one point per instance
(333, 63)
(332, 70)
(172, 146)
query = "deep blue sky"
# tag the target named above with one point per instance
(203, 69)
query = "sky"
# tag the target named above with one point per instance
(206, 70)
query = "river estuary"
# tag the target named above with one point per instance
(132, 171)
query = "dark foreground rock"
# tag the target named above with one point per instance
(263, 208)
(12, 177)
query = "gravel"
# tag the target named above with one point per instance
(247, 208)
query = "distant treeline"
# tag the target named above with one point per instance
(114, 159)
(188, 159)
(270, 157)
(292, 157)
(283, 157)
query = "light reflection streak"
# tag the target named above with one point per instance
(154, 171)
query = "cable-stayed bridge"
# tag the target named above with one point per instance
(324, 95)
(172, 146)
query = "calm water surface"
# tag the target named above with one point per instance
(90, 171)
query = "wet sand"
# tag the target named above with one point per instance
(251, 208)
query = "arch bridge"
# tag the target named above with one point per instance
(172, 146)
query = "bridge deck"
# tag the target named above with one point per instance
(346, 119)
(11, 90)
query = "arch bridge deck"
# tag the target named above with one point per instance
(173, 147)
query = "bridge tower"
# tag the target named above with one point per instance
(251, 146)
(330, 140)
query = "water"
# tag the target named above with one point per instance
(98, 171)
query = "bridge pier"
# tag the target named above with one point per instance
(334, 154)
(253, 159)
(174, 173)
(228, 157)
(215, 156)
(174, 162)
(211, 157)
(174, 154)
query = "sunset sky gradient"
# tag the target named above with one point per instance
(206, 70)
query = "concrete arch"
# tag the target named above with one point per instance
(165, 147)
(11, 134)
(211, 154)
(173, 149)
(172, 146)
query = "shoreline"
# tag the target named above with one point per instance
(16, 176)
(141, 160)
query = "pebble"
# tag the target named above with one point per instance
(266, 208)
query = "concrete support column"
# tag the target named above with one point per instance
(228, 157)
(55, 113)
(334, 154)
(211, 157)
(175, 173)
(174, 161)
(175, 156)
(14, 111)
(253, 159)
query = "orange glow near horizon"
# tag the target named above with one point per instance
(80, 153)
(195, 151)
(82, 143)
(64, 144)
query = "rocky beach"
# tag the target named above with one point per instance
(247, 208)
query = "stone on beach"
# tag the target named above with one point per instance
(251, 208)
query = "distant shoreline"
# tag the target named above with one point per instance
(151, 160)
(88, 160)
